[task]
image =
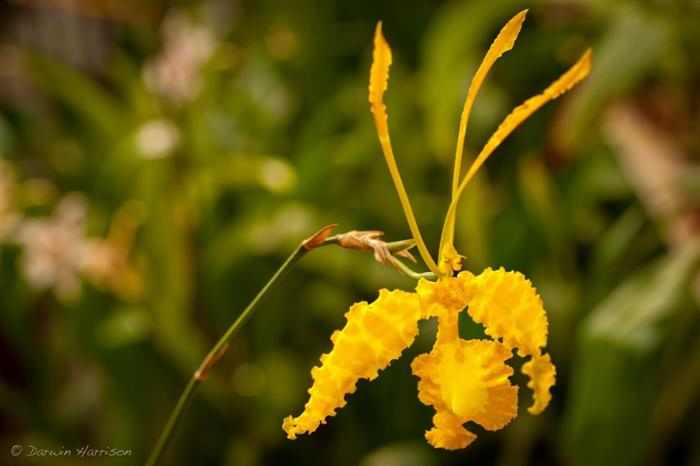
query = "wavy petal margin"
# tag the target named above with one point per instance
(453, 293)
(509, 307)
(542, 375)
(465, 380)
(374, 335)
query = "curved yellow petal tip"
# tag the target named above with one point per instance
(571, 77)
(505, 40)
(449, 433)
(379, 71)
(542, 375)
(291, 428)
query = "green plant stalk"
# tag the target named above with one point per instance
(212, 357)
(403, 268)
(220, 347)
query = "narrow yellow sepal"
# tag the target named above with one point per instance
(378, 83)
(379, 80)
(448, 259)
(503, 43)
(520, 113)
(568, 80)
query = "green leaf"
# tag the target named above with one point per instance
(633, 46)
(97, 109)
(616, 371)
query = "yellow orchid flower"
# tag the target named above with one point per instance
(463, 380)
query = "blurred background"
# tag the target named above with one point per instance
(159, 160)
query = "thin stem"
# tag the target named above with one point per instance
(175, 416)
(220, 347)
(298, 253)
(406, 270)
(213, 356)
(396, 246)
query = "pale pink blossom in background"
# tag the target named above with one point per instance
(54, 248)
(187, 45)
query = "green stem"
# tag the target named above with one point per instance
(403, 268)
(175, 415)
(213, 356)
(220, 347)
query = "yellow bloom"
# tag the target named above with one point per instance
(375, 334)
(463, 380)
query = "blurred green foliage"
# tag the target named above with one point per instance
(229, 131)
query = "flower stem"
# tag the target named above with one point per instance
(320, 239)
(403, 268)
(214, 354)
(175, 415)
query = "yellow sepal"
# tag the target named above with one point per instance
(378, 84)
(504, 41)
(520, 113)
(374, 335)
(565, 82)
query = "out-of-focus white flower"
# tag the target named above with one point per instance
(57, 253)
(54, 248)
(175, 73)
(9, 218)
(277, 175)
(156, 139)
